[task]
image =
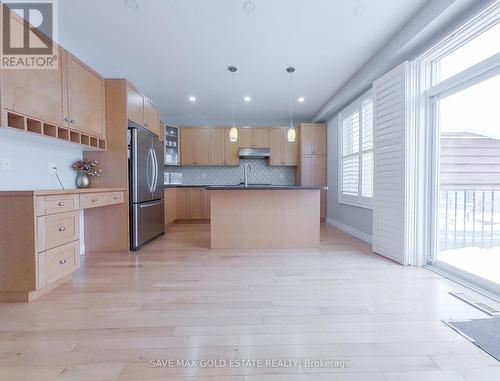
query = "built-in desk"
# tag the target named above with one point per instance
(40, 237)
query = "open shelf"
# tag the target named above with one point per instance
(35, 126)
(62, 133)
(85, 140)
(74, 137)
(15, 121)
(50, 130)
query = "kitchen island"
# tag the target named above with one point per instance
(264, 217)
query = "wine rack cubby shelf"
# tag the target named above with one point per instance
(35, 126)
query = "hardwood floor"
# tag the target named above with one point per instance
(178, 300)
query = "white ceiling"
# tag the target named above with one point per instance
(171, 49)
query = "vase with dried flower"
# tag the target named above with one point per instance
(86, 169)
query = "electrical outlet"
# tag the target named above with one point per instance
(52, 168)
(7, 164)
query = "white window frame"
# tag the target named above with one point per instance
(429, 92)
(359, 201)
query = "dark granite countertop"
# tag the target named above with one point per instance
(262, 187)
(242, 187)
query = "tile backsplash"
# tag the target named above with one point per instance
(261, 173)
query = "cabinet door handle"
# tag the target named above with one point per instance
(67, 120)
(61, 203)
(62, 228)
(63, 261)
(94, 200)
(116, 198)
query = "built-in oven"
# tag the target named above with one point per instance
(172, 145)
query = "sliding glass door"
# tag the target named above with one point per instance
(464, 120)
(469, 180)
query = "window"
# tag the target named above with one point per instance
(356, 153)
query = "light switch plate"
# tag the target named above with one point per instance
(51, 167)
(7, 164)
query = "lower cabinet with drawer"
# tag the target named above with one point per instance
(40, 238)
(56, 263)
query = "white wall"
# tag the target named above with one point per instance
(31, 156)
(355, 218)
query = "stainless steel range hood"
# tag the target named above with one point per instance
(254, 153)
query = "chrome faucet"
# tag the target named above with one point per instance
(247, 168)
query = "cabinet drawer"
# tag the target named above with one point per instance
(58, 229)
(57, 263)
(56, 204)
(94, 200)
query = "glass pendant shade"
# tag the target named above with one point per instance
(233, 134)
(291, 134)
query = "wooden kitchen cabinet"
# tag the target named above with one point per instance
(170, 205)
(151, 117)
(40, 238)
(39, 94)
(187, 145)
(195, 145)
(222, 150)
(231, 150)
(182, 203)
(217, 145)
(193, 203)
(261, 137)
(142, 111)
(135, 105)
(283, 152)
(313, 139)
(206, 204)
(86, 98)
(254, 137)
(196, 202)
(246, 137)
(202, 146)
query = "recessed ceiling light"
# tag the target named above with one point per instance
(192, 99)
(247, 99)
(132, 4)
(249, 6)
(360, 9)
(301, 99)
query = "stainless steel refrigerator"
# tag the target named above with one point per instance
(145, 154)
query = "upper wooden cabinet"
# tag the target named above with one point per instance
(135, 105)
(72, 96)
(151, 117)
(222, 150)
(283, 152)
(217, 145)
(261, 137)
(39, 94)
(202, 146)
(142, 111)
(195, 145)
(86, 98)
(231, 150)
(250, 137)
(313, 139)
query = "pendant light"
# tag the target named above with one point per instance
(291, 133)
(233, 132)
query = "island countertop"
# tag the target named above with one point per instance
(262, 187)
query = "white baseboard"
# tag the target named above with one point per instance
(350, 230)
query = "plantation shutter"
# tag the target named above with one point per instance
(393, 161)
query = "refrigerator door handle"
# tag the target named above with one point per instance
(149, 204)
(156, 171)
(149, 169)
